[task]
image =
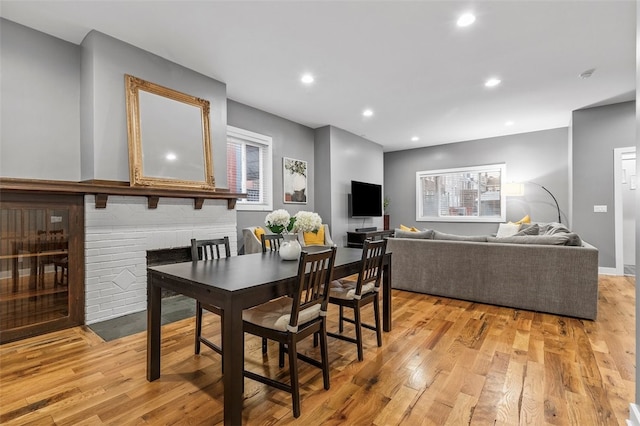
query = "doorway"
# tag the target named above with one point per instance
(625, 219)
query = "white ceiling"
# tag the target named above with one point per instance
(407, 61)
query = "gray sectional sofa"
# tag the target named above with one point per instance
(541, 272)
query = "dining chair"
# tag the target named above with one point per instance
(287, 320)
(53, 240)
(208, 250)
(271, 242)
(347, 293)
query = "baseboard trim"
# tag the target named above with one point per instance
(634, 415)
(608, 271)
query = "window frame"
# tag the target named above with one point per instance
(263, 142)
(421, 217)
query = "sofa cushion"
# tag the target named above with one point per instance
(452, 237)
(408, 229)
(556, 240)
(427, 234)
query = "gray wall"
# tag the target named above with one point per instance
(105, 61)
(540, 157)
(291, 140)
(351, 157)
(322, 157)
(40, 105)
(637, 145)
(595, 134)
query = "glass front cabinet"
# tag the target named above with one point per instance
(41, 264)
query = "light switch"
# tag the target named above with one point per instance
(600, 209)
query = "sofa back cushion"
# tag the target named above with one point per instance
(452, 237)
(556, 240)
(427, 234)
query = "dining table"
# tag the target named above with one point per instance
(233, 284)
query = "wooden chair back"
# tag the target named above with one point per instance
(274, 241)
(210, 249)
(315, 273)
(371, 270)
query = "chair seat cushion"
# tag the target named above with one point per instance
(346, 289)
(276, 314)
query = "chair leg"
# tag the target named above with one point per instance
(198, 326)
(281, 352)
(315, 340)
(293, 373)
(324, 353)
(376, 314)
(358, 324)
(340, 325)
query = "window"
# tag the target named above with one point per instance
(249, 163)
(470, 194)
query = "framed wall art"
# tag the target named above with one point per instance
(294, 180)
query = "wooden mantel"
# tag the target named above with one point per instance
(103, 188)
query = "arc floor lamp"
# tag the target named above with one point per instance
(517, 190)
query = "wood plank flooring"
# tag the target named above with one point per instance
(446, 362)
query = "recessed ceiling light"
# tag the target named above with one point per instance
(367, 113)
(307, 79)
(509, 123)
(170, 156)
(415, 139)
(466, 19)
(492, 82)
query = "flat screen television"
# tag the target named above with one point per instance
(366, 199)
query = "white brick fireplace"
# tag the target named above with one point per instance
(117, 239)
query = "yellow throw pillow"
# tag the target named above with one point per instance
(413, 229)
(525, 219)
(314, 238)
(406, 228)
(259, 231)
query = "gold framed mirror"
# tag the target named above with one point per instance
(169, 137)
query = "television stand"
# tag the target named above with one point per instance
(366, 229)
(356, 239)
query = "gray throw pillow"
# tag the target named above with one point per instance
(574, 239)
(530, 229)
(553, 228)
(427, 234)
(452, 237)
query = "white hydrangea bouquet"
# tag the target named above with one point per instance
(307, 222)
(280, 221)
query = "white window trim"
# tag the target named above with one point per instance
(267, 169)
(503, 207)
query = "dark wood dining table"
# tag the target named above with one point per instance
(234, 284)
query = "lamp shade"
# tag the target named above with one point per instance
(514, 189)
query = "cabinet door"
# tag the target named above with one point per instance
(41, 264)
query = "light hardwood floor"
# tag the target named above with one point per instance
(446, 362)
